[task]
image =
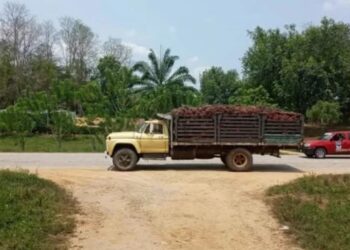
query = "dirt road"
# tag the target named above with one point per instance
(197, 205)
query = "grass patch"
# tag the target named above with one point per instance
(317, 210)
(34, 213)
(48, 143)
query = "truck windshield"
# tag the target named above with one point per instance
(142, 128)
(326, 137)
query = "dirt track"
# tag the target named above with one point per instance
(173, 209)
(175, 206)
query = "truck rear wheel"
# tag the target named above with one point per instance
(125, 159)
(239, 159)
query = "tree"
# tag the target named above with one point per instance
(324, 113)
(19, 33)
(48, 39)
(157, 73)
(161, 85)
(251, 96)
(114, 48)
(7, 84)
(79, 45)
(17, 122)
(62, 125)
(217, 86)
(299, 68)
(39, 106)
(116, 83)
(92, 100)
(66, 95)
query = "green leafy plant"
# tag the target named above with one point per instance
(324, 113)
(18, 123)
(62, 125)
(251, 96)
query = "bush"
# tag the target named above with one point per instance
(17, 122)
(251, 96)
(324, 113)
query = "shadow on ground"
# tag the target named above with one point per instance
(274, 168)
(338, 157)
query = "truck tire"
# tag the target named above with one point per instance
(125, 159)
(239, 160)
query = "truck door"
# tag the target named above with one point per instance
(154, 139)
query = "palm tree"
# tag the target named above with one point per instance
(160, 87)
(158, 73)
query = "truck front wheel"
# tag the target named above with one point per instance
(125, 159)
(239, 159)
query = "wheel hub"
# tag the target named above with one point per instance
(240, 160)
(124, 159)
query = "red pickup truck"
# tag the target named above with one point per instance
(331, 143)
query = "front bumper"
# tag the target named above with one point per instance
(109, 147)
(308, 151)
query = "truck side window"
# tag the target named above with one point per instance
(147, 130)
(157, 128)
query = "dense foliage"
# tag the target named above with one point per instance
(324, 113)
(298, 69)
(44, 69)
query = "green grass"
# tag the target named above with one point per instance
(317, 210)
(48, 143)
(34, 213)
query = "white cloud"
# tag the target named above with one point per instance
(330, 5)
(138, 51)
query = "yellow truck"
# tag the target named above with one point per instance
(219, 132)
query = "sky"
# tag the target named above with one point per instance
(203, 33)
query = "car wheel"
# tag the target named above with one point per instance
(125, 159)
(320, 153)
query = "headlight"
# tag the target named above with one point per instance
(307, 145)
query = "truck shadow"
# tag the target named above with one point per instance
(277, 168)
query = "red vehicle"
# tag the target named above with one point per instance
(331, 143)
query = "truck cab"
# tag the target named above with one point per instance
(333, 143)
(150, 140)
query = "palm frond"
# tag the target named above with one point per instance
(182, 74)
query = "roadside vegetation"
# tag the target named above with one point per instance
(34, 213)
(43, 90)
(316, 209)
(48, 143)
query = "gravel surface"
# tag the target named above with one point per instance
(173, 204)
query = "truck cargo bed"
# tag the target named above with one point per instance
(229, 129)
